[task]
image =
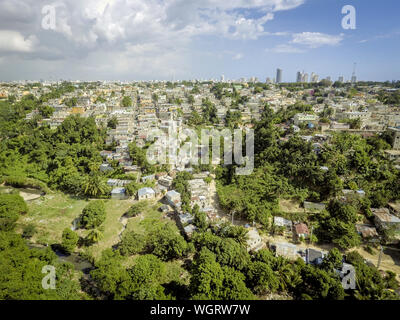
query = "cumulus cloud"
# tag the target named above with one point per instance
(317, 39)
(285, 48)
(130, 31)
(13, 41)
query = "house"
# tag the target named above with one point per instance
(393, 155)
(283, 223)
(165, 208)
(314, 256)
(173, 198)
(305, 118)
(165, 181)
(189, 230)
(366, 231)
(185, 219)
(301, 231)
(254, 242)
(148, 178)
(385, 220)
(106, 167)
(284, 249)
(118, 183)
(119, 194)
(394, 209)
(146, 193)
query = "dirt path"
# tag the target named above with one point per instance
(124, 222)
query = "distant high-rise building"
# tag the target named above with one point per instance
(341, 79)
(279, 75)
(222, 78)
(354, 77)
(314, 77)
(299, 77)
(268, 80)
(305, 77)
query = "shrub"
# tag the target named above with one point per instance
(28, 231)
(69, 240)
(11, 207)
(93, 215)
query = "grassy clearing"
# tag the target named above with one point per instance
(51, 214)
(149, 220)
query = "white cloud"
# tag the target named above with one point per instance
(285, 48)
(116, 31)
(316, 39)
(238, 56)
(13, 41)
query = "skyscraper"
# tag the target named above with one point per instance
(279, 75)
(299, 77)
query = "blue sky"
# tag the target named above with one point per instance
(374, 45)
(188, 39)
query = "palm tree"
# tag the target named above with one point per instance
(94, 185)
(94, 236)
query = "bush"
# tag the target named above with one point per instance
(93, 215)
(69, 240)
(28, 231)
(136, 209)
(132, 243)
(369, 249)
(11, 207)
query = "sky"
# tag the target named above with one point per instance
(132, 40)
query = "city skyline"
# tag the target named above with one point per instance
(177, 40)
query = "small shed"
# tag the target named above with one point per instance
(119, 194)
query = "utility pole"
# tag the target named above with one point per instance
(380, 257)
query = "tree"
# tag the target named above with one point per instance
(167, 244)
(200, 218)
(69, 240)
(132, 243)
(29, 231)
(337, 225)
(94, 236)
(261, 278)
(46, 111)
(126, 102)
(93, 215)
(21, 272)
(333, 260)
(136, 209)
(11, 207)
(110, 276)
(112, 123)
(207, 277)
(94, 185)
(146, 274)
(319, 284)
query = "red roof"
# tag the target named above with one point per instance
(301, 228)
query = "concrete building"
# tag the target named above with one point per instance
(279, 73)
(305, 118)
(146, 194)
